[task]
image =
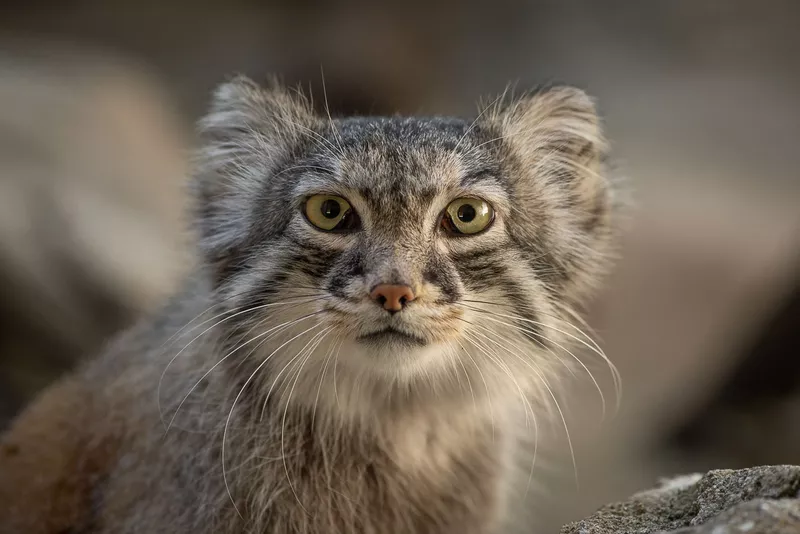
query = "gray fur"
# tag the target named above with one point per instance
(303, 428)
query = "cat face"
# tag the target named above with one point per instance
(410, 249)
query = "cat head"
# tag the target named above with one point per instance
(420, 253)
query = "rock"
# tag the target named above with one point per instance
(763, 500)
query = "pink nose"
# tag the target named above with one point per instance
(392, 297)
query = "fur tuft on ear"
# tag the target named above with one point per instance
(556, 152)
(558, 119)
(242, 107)
(249, 132)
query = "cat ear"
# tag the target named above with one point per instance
(556, 154)
(241, 108)
(561, 121)
(249, 132)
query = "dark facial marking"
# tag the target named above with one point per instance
(440, 274)
(349, 266)
(480, 269)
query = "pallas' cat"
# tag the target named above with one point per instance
(379, 306)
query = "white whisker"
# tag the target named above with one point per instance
(562, 347)
(233, 406)
(475, 122)
(300, 354)
(485, 385)
(327, 145)
(497, 359)
(335, 363)
(614, 372)
(242, 345)
(285, 411)
(555, 401)
(201, 334)
(466, 374)
(328, 111)
(322, 378)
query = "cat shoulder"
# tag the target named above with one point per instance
(50, 461)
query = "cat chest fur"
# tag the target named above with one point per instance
(407, 476)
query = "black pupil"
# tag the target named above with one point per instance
(330, 209)
(466, 213)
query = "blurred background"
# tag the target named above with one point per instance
(701, 100)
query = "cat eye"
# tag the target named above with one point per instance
(467, 216)
(331, 213)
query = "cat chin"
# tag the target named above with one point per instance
(391, 340)
(393, 356)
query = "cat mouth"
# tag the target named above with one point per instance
(391, 335)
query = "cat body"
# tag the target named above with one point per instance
(375, 316)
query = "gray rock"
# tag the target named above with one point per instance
(763, 500)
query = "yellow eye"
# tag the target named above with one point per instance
(331, 213)
(467, 216)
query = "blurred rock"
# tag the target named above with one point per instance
(761, 499)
